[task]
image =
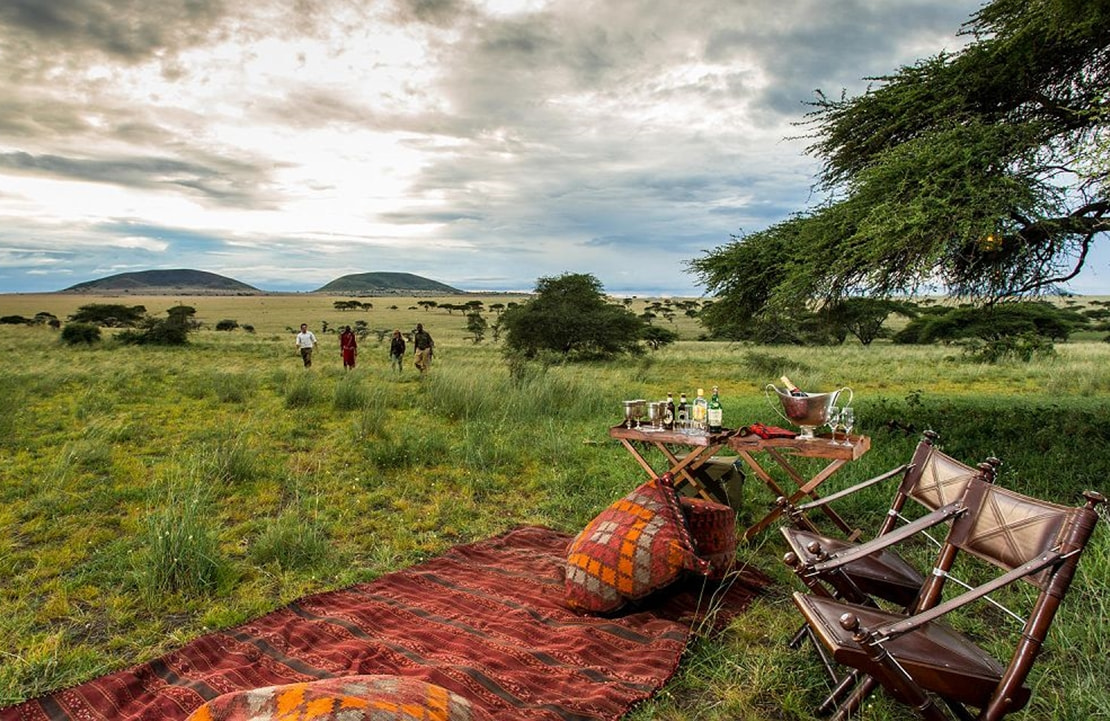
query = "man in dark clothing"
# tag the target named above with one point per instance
(423, 345)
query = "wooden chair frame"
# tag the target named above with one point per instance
(932, 479)
(917, 657)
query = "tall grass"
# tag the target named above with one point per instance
(180, 552)
(313, 479)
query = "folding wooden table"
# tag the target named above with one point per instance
(685, 456)
(838, 452)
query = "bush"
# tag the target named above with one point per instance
(1005, 320)
(15, 320)
(168, 331)
(227, 324)
(75, 333)
(995, 350)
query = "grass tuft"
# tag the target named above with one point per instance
(179, 540)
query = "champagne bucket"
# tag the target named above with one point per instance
(808, 412)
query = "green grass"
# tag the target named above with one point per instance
(150, 495)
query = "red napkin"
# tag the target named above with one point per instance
(763, 431)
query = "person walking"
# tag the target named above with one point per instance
(306, 341)
(397, 350)
(348, 348)
(423, 344)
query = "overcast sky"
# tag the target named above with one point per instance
(483, 144)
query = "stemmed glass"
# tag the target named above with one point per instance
(834, 420)
(847, 421)
(629, 413)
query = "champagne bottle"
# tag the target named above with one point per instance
(698, 412)
(791, 388)
(682, 415)
(715, 412)
(668, 413)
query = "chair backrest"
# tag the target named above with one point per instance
(934, 479)
(1009, 529)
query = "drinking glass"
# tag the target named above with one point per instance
(629, 413)
(847, 422)
(834, 420)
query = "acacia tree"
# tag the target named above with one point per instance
(970, 171)
(570, 315)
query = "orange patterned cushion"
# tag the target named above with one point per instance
(636, 546)
(349, 698)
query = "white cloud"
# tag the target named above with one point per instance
(484, 142)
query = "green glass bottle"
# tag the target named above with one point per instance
(715, 413)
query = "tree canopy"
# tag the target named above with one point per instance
(981, 172)
(570, 315)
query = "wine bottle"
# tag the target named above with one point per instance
(682, 415)
(715, 412)
(791, 388)
(698, 413)
(668, 413)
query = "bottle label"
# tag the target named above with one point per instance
(715, 417)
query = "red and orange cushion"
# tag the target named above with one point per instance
(713, 527)
(348, 698)
(634, 547)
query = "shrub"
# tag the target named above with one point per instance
(75, 333)
(227, 324)
(165, 331)
(995, 350)
(15, 320)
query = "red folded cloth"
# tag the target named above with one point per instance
(763, 431)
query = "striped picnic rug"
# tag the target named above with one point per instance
(485, 620)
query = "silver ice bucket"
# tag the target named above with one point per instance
(808, 412)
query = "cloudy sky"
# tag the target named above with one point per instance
(480, 143)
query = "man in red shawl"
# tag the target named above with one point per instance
(348, 348)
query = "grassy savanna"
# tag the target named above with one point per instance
(148, 495)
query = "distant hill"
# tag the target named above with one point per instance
(387, 284)
(153, 282)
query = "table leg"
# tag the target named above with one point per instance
(639, 459)
(805, 488)
(684, 469)
(809, 488)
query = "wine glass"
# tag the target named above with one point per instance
(847, 422)
(834, 420)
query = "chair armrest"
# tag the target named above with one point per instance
(886, 540)
(905, 625)
(902, 469)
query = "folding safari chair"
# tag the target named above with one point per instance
(919, 657)
(932, 479)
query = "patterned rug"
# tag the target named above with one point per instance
(484, 620)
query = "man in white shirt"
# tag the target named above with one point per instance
(306, 341)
